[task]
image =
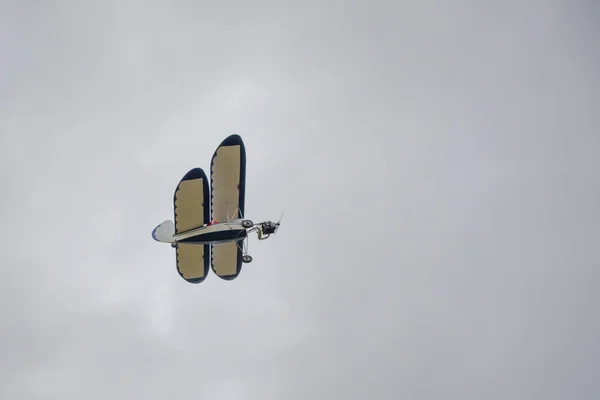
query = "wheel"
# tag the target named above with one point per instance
(246, 259)
(247, 223)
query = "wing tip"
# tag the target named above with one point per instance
(194, 173)
(194, 281)
(232, 140)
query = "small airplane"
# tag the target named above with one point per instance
(211, 231)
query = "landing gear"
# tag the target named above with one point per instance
(247, 223)
(243, 246)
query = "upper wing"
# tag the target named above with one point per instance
(228, 191)
(191, 209)
(228, 179)
(227, 260)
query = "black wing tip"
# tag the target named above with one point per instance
(232, 140)
(228, 277)
(194, 281)
(194, 173)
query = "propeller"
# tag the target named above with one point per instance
(270, 227)
(278, 224)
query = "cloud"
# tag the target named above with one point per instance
(436, 165)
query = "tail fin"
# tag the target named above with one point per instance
(164, 232)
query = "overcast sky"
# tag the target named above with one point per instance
(437, 163)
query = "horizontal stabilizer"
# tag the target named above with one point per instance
(164, 232)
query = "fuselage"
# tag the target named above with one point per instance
(217, 233)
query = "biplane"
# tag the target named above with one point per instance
(210, 230)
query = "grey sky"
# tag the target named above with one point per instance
(437, 165)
